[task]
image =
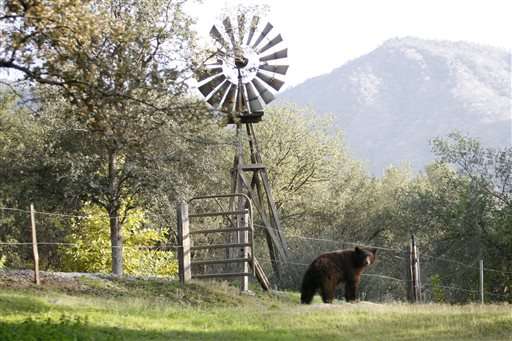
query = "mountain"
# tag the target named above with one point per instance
(391, 102)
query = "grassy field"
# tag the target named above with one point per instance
(83, 308)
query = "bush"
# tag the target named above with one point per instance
(3, 260)
(92, 250)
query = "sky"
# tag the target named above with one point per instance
(324, 34)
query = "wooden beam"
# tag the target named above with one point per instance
(264, 218)
(185, 273)
(35, 251)
(253, 167)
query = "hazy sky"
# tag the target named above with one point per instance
(324, 34)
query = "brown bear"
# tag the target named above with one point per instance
(330, 269)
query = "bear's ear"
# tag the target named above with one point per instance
(357, 249)
(374, 251)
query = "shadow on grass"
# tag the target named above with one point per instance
(14, 304)
(77, 328)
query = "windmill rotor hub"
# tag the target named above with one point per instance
(245, 65)
(241, 62)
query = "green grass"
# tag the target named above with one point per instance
(98, 309)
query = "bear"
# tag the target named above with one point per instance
(330, 269)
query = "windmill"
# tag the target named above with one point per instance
(242, 76)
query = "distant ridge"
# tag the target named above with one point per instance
(392, 101)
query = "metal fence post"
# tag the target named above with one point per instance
(244, 238)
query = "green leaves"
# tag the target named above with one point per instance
(92, 252)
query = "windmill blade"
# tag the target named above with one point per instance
(254, 25)
(265, 94)
(280, 69)
(229, 31)
(209, 86)
(241, 28)
(254, 101)
(271, 43)
(276, 55)
(263, 34)
(275, 83)
(205, 73)
(215, 34)
(229, 101)
(218, 95)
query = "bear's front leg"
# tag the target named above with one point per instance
(350, 291)
(327, 290)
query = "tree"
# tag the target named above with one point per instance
(116, 100)
(485, 184)
(38, 35)
(302, 159)
(489, 168)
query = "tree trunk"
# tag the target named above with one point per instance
(116, 239)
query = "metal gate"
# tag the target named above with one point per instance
(238, 242)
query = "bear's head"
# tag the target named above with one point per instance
(363, 257)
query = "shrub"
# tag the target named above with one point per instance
(91, 251)
(3, 260)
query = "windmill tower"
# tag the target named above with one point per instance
(237, 82)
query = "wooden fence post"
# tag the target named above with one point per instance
(34, 245)
(414, 292)
(410, 291)
(418, 273)
(185, 272)
(481, 281)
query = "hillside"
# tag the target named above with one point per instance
(100, 307)
(391, 102)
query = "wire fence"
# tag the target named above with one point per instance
(443, 279)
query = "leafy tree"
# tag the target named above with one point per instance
(26, 177)
(302, 159)
(138, 67)
(485, 185)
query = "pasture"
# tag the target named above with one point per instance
(104, 308)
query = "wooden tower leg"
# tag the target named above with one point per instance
(260, 192)
(258, 189)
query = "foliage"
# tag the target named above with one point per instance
(3, 261)
(306, 165)
(118, 99)
(91, 249)
(482, 209)
(437, 290)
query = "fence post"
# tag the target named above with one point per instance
(414, 273)
(185, 272)
(34, 245)
(244, 238)
(418, 273)
(481, 281)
